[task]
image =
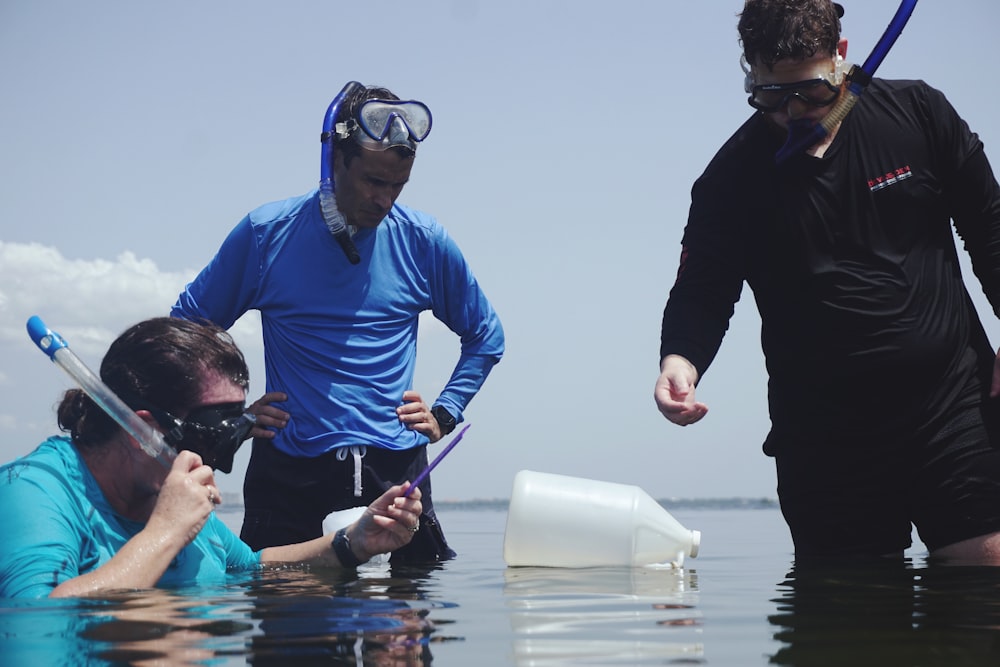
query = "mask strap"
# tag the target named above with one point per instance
(747, 74)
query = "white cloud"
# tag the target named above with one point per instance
(89, 302)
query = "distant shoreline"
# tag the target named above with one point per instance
(233, 502)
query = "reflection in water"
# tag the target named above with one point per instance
(156, 627)
(557, 615)
(888, 614)
(287, 616)
(370, 617)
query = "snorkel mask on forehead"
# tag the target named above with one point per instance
(375, 125)
(387, 123)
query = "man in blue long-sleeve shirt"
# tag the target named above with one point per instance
(340, 337)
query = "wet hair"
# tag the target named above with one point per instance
(773, 30)
(163, 362)
(349, 147)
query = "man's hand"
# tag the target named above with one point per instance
(269, 417)
(416, 416)
(674, 392)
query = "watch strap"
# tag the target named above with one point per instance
(445, 419)
(342, 547)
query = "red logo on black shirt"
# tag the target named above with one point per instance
(889, 178)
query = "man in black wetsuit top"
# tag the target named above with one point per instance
(882, 383)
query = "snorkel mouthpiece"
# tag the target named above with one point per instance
(334, 219)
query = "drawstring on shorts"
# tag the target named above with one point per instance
(358, 452)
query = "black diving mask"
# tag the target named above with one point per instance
(214, 432)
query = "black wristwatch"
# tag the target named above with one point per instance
(342, 547)
(444, 419)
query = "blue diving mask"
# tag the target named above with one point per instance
(388, 123)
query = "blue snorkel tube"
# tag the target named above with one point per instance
(55, 346)
(327, 199)
(857, 80)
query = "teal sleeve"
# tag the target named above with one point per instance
(239, 556)
(42, 544)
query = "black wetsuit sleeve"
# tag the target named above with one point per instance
(709, 280)
(728, 202)
(972, 193)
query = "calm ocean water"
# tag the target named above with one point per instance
(740, 602)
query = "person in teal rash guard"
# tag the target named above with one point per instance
(93, 512)
(341, 421)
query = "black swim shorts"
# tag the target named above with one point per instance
(860, 498)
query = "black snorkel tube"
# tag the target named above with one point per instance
(327, 199)
(857, 80)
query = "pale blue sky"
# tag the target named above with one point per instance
(566, 138)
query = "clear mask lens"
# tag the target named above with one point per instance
(384, 119)
(388, 123)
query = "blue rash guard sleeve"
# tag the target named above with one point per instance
(461, 305)
(225, 289)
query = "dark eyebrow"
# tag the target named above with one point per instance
(381, 181)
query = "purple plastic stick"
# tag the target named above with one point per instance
(426, 471)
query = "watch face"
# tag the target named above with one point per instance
(444, 419)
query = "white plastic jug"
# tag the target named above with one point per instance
(560, 521)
